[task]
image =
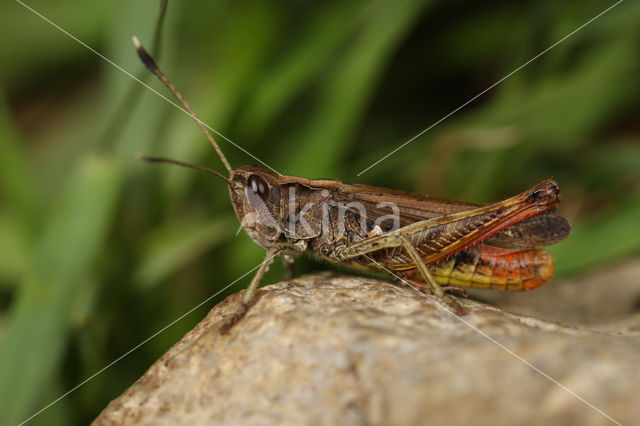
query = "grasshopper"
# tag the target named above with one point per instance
(435, 244)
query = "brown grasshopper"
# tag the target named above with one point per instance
(429, 242)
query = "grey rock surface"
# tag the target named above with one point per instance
(325, 349)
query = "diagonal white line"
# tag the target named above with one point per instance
(500, 345)
(144, 84)
(492, 86)
(142, 343)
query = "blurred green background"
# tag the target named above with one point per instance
(100, 250)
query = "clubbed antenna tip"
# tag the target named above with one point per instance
(144, 56)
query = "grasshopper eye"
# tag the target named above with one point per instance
(258, 186)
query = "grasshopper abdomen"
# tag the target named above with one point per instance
(489, 267)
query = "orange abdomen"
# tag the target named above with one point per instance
(485, 266)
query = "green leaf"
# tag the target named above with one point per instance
(174, 245)
(349, 87)
(309, 55)
(609, 239)
(16, 247)
(16, 178)
(40, 317)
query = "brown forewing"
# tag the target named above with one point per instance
(537, 231)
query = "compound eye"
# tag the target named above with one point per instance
(258, 186)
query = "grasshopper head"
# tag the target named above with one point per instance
(255, 195)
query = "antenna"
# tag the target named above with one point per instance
(151, 65)
(191, 166)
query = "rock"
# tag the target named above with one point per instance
(326, 349)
